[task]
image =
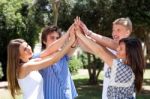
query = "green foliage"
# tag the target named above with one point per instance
(19, 19)
(84, 59)
(94, 61)
(9, 21)
(98, 15)
(95, 15)
(139, 13)
(1, 72)
(24, 19)
(75, 64)
(66, 18)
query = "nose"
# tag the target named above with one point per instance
(118, 49)
(29, 50)
(114, 33)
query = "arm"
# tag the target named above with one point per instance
(72, 49)
(54, 46)
(84, 47)
(43, 63)
(78, 41)
(73, 46)
(102, 40)
(101, 51)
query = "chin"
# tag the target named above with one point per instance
(30, 56)
(116, 39)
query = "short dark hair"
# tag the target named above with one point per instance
(46, 31)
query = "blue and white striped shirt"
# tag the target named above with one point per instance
(57, 81)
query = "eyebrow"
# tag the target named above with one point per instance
(26, 47)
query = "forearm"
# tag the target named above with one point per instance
(72, 49)
(84, 47)
(88, 43)
(49, 60)
(54, 46)
(99, 50)
(105, 41)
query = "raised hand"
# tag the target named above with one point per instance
(78, 29)
(77, 21)
(77, 24)
(72, 33)
(84, 28)
(70, 29)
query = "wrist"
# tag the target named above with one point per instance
(89, 33)
(73, 46)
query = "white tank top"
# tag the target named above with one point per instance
(32, 86)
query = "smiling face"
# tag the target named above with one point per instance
(25, 51)
(119, 32)
(122, 28)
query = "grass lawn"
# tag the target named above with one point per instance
(86, 91)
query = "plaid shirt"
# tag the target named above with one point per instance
(121, 84)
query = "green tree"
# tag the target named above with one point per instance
(19, 19)
(9, 21)
(98, 15)
(95, 15)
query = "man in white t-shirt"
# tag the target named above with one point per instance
(122, 28)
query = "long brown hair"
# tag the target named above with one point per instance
(13, 63)
(135, 59)
(46, 31)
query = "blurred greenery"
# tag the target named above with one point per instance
(75, 64)
(87, 91)
(24, 19)
(1, 71)
(17, 21)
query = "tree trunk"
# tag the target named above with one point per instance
(92, 67)
(55, 5)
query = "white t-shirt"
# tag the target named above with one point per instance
(32, 86)
(106, 80)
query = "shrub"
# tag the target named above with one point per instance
(75, 64)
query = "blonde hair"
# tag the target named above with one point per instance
(13, 63)
(126, 22)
